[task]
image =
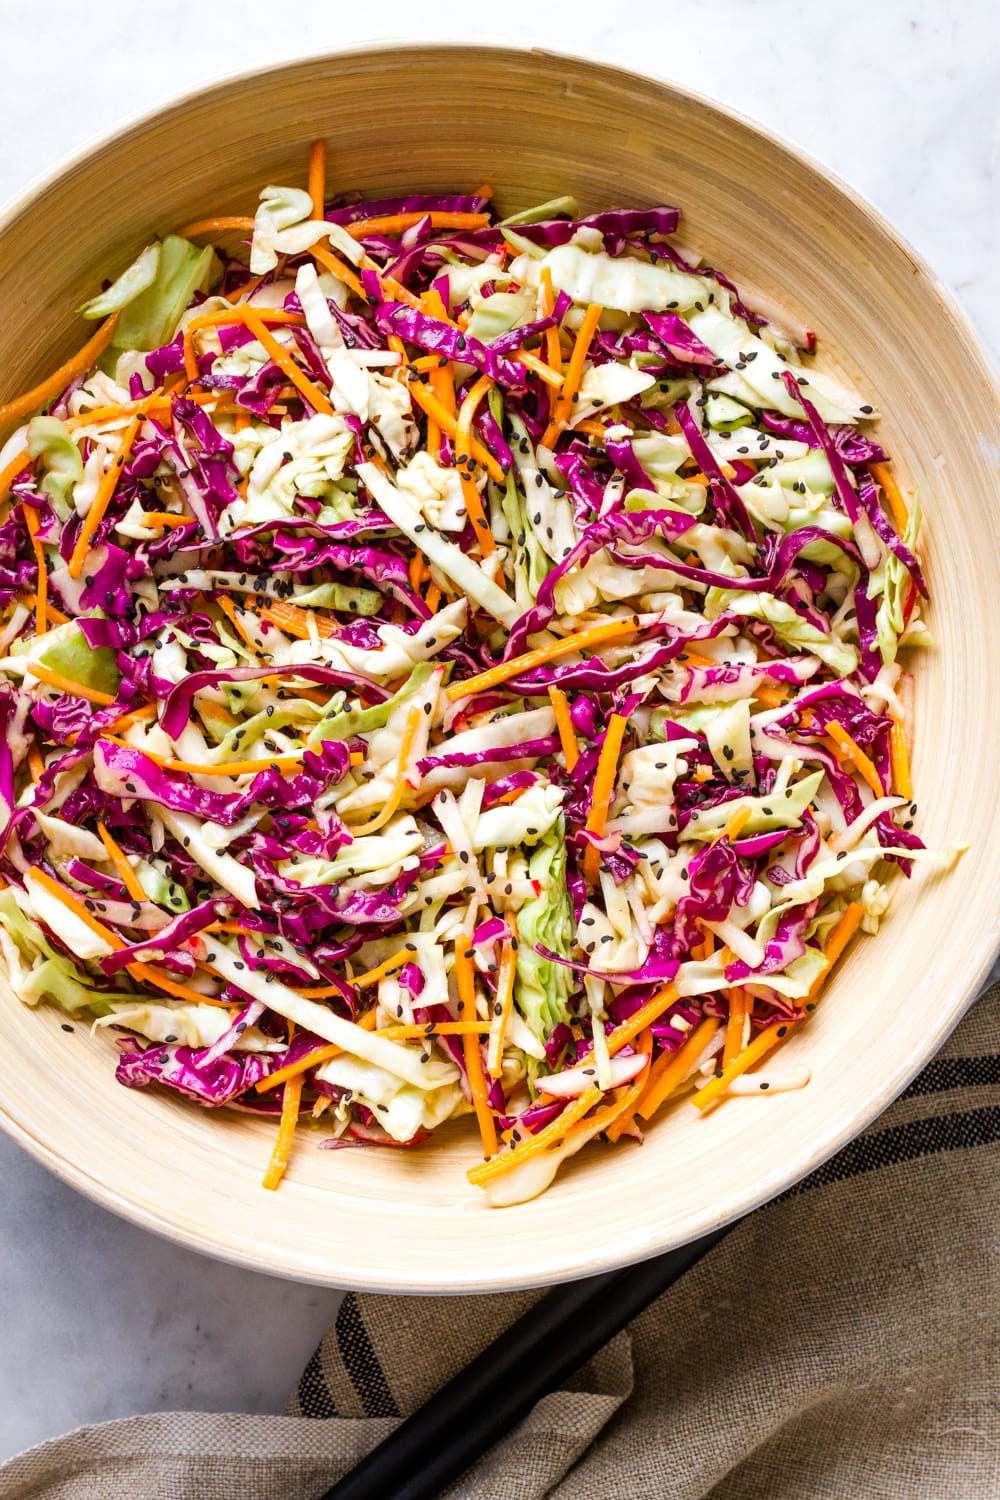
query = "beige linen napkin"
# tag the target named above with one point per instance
(841, 1343)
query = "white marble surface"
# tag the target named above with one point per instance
(899, 97)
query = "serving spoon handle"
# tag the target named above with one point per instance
(501, 1384)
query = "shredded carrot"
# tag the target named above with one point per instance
(417, 571)
(564, 724)
(399, 785)
(291, 762)
(847, 926)
(216, 226)
(538, 367)
(442, 380)
(433, 437)
(293, 1070)
(425, 398)
(291, 1103)
(105, 492)
(734, 1025)
(318, 1054)
(247, 290)
(771, 697)
(627, 1030)
(42, 586)
(392, 224)
(593, 635)
(549, 1135)
(165, 518)
(36, 764)
(415, 1033)
(432, 598)
(64, 685)
(463, 458)
(55, 616)
(317, 177)
(508, 797)
(553, 352)
(312, 393)
(574, 371)
(616, 1118)
(134, 716)
(427, 363)
(613, 1119)
(294, 620)
(57, 382)
(130, 879)
(472, 1047)
(503, 1005)
(591, 429)
(690, 658)
(153, 406)
(898, 508)
(735, 824)
(147, 974)
(190, 357)
(234, 613)
(865, 767)
(338, 268)
(276, 316)
(776, 1033)
(668, 1071)
(391, 290)
(388, 966)
(761, 1045)
(559, 1128)
(706, 947)
(604, 791)
(13, 469)
(78, 909)
(901, 783)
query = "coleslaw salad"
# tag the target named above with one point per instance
(450, 666)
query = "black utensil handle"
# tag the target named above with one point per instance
(501, 1385)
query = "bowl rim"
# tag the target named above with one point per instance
(768, 1184)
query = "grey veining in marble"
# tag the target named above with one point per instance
(899, 97)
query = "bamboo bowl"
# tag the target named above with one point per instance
(536, 125)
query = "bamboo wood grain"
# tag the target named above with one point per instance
(537, 125)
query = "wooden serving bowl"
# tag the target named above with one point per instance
(536, 125)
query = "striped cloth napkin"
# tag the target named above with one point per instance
(843, 1343)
